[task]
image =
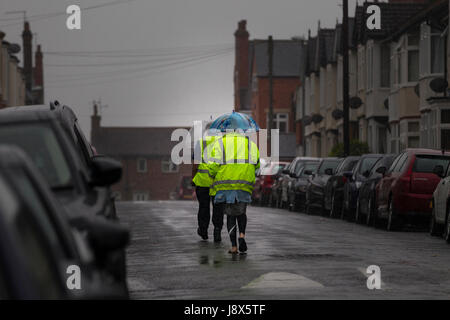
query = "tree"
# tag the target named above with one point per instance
(357, 148)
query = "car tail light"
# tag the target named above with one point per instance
(268, 180)
(344, 179)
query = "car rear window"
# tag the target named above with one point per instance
(328, 164)
(427, 163)
(367, 164)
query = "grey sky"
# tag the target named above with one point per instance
(171, 98)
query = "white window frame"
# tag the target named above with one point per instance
(278, 120)
(173, 168)
(140, 196)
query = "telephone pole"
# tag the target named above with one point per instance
(346, 82)
(270, 124)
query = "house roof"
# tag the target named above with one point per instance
(135, 141)
(436, 12)
(393, 15)
(286, 58)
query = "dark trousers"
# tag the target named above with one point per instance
(204, 211)
(233, 223)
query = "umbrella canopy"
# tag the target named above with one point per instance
(235, 121)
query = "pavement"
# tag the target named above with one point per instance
(291, 256)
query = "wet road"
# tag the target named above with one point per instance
(291, 256)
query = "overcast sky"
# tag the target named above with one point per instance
(192, 82)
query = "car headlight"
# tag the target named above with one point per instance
(358, 184)
(302, 188)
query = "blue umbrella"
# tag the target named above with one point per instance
(235, 121)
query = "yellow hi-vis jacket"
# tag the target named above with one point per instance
(232, 163)
(202, 178)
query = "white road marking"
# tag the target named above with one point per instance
(282, 280)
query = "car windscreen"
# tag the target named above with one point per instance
(328, 164)
(42, 146)
(347, 166)
(427, 163)
(311, 167)
(367, 164)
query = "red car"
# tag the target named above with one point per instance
(186, 191)
(406, 189)
(267, 176)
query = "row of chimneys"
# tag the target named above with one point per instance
(34, 77)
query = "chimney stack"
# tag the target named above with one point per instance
(241, 65)
(38, 74)
(27, 38)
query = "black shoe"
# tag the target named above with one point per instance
(242, 245)
(217, 236)
(204, 236)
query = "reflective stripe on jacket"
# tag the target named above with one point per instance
(203, 178)
(233, 164)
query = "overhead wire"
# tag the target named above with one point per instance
(127, 71)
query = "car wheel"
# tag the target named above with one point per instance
(333, 209)
(393, 222)
(343, 211)
(435, 228)
(357, 212)
(369, 216)
(447, 225)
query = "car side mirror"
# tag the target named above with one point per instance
(308, 172)
(382, 170)
(366, 173)
(329, 172)
(285, 171)
(439, 171)
(292, 175)
(105, 171)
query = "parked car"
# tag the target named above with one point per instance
(406, 189)
(334, 189)
(185, 190)
(37, 243)
(440, 219)
(265, 180)
(82, 192)
(365, 205)
(289, 179)
(275, 195)
(315, 191)
(69, 123)
(297, 194)
(360, 174)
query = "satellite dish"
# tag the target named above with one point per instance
(439, 85)
(337, 114)
(307, 120)
(317, 118)
(13, 48)
(417, 90)
(355, 102)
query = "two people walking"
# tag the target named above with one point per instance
(228, 165)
